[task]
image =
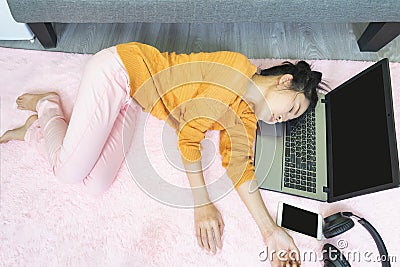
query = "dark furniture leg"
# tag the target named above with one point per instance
(45, 34)
(377, 35)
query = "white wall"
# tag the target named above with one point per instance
(9, 28)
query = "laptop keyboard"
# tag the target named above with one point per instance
(300, 159)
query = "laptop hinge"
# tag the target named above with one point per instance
(325, 189)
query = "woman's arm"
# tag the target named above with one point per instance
(250, 195)
(275, 237)
(196, 179)
(208, 221)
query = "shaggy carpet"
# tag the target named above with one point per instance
(46, 223)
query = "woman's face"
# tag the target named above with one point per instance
(284, 105)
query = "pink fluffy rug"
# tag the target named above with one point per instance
(46, 223)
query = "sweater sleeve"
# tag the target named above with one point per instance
(236, 149)
(197, 116)
(213, 81)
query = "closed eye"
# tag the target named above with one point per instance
(294, 115)
(297, 111)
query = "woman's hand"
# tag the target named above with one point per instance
(209, 227)
(280, 241)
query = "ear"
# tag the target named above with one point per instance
(286, 79)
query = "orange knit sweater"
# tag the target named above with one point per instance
(195, 93)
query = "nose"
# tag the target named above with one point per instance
(279, 119)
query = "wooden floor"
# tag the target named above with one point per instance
(255, 40)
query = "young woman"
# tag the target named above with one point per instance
(193, 93)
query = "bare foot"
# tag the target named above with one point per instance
(18, 133)
(28, 101)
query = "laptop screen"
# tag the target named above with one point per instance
(361, 134)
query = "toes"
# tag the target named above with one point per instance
(20, 98)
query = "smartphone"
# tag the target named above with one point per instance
(299, 220)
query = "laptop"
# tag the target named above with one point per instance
(343, 148)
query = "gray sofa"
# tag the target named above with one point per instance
(383, 16)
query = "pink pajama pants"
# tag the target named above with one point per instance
(90, 149)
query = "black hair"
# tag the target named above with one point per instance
(304, 79)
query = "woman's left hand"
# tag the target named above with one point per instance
(286, 252)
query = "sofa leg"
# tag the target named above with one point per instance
(377, 35)
(44, 33)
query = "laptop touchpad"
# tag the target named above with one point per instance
(271, 129)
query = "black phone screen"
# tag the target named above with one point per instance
(299, 220)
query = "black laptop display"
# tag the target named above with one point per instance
(361, 135)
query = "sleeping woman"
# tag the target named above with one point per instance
(193, 93)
